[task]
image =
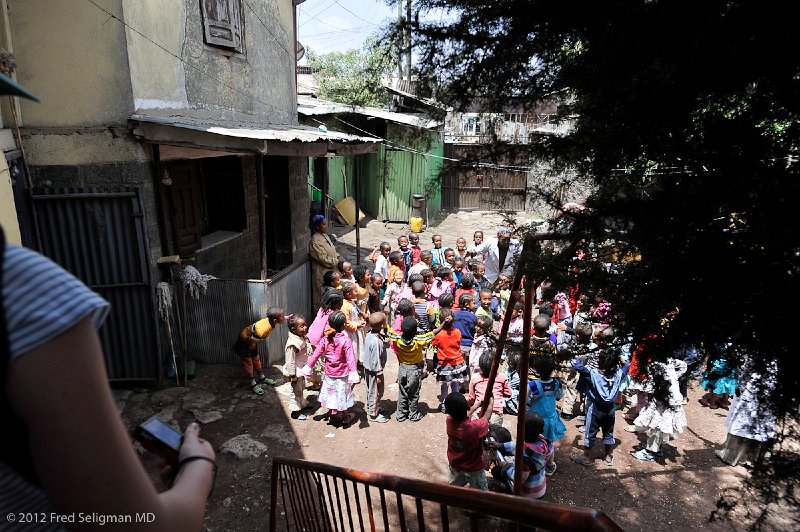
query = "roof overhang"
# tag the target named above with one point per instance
(314, 107)
(270, 139)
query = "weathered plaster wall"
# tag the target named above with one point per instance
(259, 81)
(73, 58)
(65, 146)
(157, 78)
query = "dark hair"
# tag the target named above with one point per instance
(328, 276)
(425, 254)
(375, 276)
(409, 328)
(608, 362)
(485, 364)
(340, 265)
(273, 313)
(512, 359)
(426, 272)
(534, 426)
(446, 300)
(476, 232)
(348, 288)
(464, 300)
(384, 244)
(405, 307)
(359, 272)
(332, 299)
(291, 322)
(418, 288)
(414, 278)
(518, 306)
(541, 323)
(456, 406)
(484, 323)
(444, 273)
(336, 320)
(502, 435)
(467, 281)
(394, 256)
(546, 309)
(434, 236)
(376, 319)
(401, 236)
(485, 291)
(448, 250)
(444, 312)
(544, 365)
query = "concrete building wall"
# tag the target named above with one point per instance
(8, 211)
(260, 81)
(73, 58)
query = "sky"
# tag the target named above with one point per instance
(337, 25)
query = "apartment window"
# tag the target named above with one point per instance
(223, 23)
(207, 200)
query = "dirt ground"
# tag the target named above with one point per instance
(679, 493)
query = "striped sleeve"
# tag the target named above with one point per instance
(42, 300)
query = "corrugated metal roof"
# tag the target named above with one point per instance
(314, 106)
(277, 132)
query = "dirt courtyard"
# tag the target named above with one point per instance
(679, 493)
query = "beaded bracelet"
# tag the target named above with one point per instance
(204, 458)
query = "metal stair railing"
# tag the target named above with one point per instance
(322, 497)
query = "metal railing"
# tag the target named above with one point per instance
(322, 497)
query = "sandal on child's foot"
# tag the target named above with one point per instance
(609, 460)
(263, 379)
(298, 416)
(549, 469)
(579, 458)
(380, 418)
(257, 389)
(643, 455)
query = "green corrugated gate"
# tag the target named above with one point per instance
(392, 175)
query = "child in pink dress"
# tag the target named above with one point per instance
(341, 373)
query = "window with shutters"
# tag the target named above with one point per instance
(223, 23)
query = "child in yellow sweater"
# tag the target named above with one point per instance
(246, 347)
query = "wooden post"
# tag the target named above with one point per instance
(356, 190)
(522, 369)
(262, 214)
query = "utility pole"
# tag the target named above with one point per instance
(400, 42)
(408, 41)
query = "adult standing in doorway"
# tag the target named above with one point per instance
(323, 255)
(500, 254)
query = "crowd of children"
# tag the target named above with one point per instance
(435, 310)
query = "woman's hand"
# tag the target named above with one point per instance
(194, 445)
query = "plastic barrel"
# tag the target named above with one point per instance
(416, 224)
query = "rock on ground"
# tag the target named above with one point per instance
(244, 447)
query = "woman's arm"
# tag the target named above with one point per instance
(82, 452)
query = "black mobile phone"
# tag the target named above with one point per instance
(160, 438)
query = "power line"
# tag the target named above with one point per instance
(315, 16)
(359, 18)
(291, 55)
(190, 65)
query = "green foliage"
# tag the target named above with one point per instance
(354, 77)
(688, 125)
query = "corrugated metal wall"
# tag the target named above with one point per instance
(101, 238)
(217, 317)
(501, 188)
(411, 172)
